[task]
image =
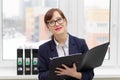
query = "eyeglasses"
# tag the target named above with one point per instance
(53, 22)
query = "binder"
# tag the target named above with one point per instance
(19, 61)
(91, 59)
(34, 61)
(27, 61)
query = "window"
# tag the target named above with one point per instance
(22, 25)
(94, 20)
(97, 17)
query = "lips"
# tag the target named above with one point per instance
(58, 28)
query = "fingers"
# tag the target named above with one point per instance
(58, 72)
(62, 69)
(74, 66)
(66, 67)
(63, 65)
(59, 69)
(65, 70)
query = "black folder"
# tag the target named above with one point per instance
(27, 61)
(34, 61)
(92, 59)
(19, 61)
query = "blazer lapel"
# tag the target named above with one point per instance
(72, 46)
(53, 49)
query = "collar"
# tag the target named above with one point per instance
(66, 42)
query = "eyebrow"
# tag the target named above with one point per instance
(56, 18)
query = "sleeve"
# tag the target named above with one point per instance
(42, 64)
(88, 74)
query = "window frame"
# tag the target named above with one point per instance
(114, 35)
(119, 32)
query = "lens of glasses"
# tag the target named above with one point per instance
(53, 22)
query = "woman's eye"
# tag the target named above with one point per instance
(51, 22)
(59, 19)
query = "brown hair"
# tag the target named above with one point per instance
(49, 14)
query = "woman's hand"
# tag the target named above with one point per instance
(69, 71)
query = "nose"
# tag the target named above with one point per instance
(56, 23)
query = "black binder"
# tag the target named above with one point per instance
(27, 61)
(92, 59)
(34, 61)
(19, 61)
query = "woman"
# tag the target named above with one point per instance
(61, 44)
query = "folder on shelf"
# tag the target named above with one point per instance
(19, 61)
(34, 61)
(27, 61)
(91, 59)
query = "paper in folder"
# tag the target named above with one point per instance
(92, 59)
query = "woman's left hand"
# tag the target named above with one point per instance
(67, 71)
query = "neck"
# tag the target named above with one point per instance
(61, 39)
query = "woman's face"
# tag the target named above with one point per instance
(57, 25)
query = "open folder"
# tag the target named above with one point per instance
(92, 59)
